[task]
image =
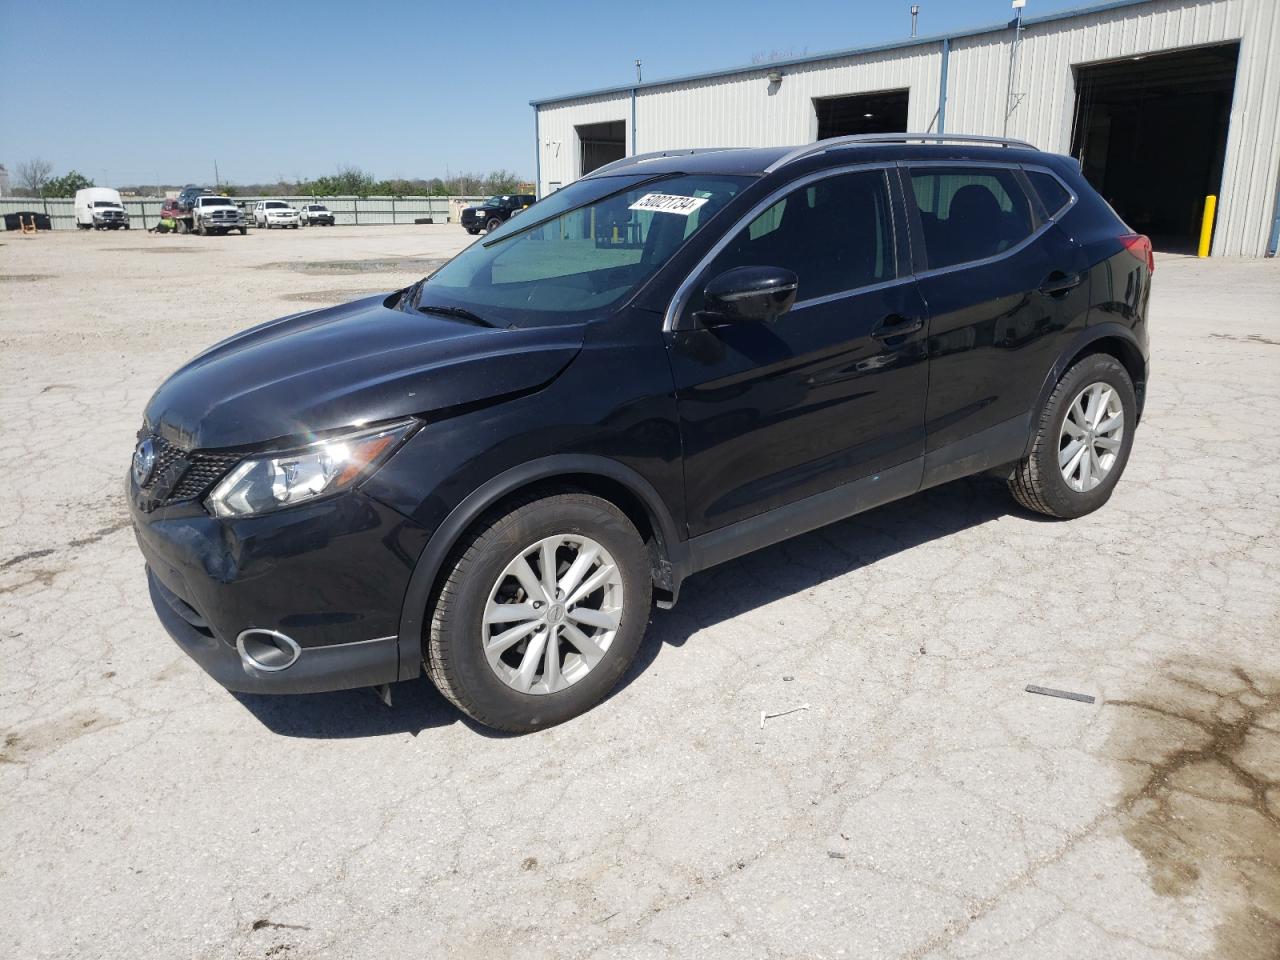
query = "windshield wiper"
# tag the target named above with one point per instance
(462, 313)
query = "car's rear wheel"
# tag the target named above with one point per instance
(542, 611)
(1082, 442)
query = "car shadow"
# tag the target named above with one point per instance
(813, 558)
(774, 572)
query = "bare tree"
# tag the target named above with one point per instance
(33, 174)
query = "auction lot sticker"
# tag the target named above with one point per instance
(668, 203)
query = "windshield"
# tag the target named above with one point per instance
(105, 203)
(276, 205)
(317, 208)
(215, 202)
(582, 250)
(495, 201)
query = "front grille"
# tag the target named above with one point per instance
(181, 475)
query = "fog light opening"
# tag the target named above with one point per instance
(268, 650)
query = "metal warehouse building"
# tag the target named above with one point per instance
(1163, 101)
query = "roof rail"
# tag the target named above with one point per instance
(822, 146)
(653, 155)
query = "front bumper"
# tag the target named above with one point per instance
(331, 575)
(364, 663)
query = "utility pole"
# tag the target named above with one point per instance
(915, 12)
(217, 183)
(639, 78)
(1012, 98)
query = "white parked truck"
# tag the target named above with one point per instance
(216, 215)
(99, 208)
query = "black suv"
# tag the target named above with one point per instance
(495, 211)
(187, 198)
(666, 364)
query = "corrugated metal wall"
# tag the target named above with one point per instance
(747, 109)
(979, 83)
(744, 109)
(558, 145)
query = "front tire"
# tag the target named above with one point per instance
(1083, 437)
(492, 225)
(543, 610)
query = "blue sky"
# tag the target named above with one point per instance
(291, 89)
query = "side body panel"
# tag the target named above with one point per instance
(774, 413)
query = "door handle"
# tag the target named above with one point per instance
(1057, 284)
(897, 326)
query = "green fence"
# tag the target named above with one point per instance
(353, 211)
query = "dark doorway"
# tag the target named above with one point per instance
(601, 143)
(1151, 135)
(882, 112)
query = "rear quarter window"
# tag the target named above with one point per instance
(1052, 193)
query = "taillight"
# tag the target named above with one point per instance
(1140, 247)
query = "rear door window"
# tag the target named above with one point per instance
(970, 213)
(836, 235)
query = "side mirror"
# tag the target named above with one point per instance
(749, 294)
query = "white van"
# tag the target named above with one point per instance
(100, 208)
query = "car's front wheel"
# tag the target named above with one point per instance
(492, 225)
(1082, 442)
(544, 607)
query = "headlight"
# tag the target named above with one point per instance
(267, 483)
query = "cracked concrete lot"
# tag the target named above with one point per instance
(923, 806)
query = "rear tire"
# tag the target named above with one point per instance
(1091, 412)
(244, 231)
(479, 569)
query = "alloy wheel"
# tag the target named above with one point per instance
(1091, 435)
(552, 614)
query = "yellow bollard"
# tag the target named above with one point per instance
(1206, 225)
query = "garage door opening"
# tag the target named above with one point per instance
(884, 111)
(1151, 135)
(600, 143)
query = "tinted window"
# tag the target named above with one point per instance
(1053, 194)
(581, 260)
(970, 213)
(835, 235)
(276, 205)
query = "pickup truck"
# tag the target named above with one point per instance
(495, 211)
(216, 215)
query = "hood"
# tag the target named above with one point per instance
(357, 363)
